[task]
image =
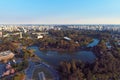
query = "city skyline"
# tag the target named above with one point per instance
(60, 12)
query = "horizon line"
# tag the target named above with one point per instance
(54, 24)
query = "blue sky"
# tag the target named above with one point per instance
(60, 12)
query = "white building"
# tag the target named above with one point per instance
(39, 37)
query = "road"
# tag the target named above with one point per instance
(29, 71)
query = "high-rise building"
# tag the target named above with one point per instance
(21, 35)
(0, 33)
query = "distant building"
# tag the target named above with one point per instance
(12, 71)
(6, 55)
(0, 33)
(39, 37)
(40, 33)
(67, 38)
(8, 66)
(21, 35)
(6, 35)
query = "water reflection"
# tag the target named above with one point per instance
(94, 43)
(54, 57)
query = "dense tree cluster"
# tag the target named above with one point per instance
(20, 66)
(70, 71)
(105, 67)
(26, 42)
(55, 40)
(13, 46)
(58, 44)
(28, 53)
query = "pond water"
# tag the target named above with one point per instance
(54, 57)
(94, 43)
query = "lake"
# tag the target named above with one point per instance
(54, 57)
(94, 43)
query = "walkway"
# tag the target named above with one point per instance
(29, 71)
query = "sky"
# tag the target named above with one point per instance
(59, 11)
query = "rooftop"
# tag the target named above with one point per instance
(5, 53)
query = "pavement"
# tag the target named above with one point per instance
(29, 71)
(2, 69)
